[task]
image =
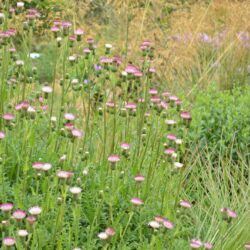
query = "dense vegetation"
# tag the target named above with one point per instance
(117, 146)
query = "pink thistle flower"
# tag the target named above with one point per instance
(166, 94)
(9, 241)
(171, 137)
(186, 115)
(230, 213)
(19, 214)
(57, 23)
(2, 135)
(110, 104)
(185, 204)
(168, 224)
(146, 43)
(130, 105)
(153, 91)
(155, 99)
(178, 103)
(6, 207)
(66, 24)
(164, 105)
(31, 109)
(106, 60)
(38, 165)
(35, 210)
(152, 70)
(195, 244)
(86, 51)
(139, 178)
(247, 245)
(114, 158)
(110, 231)
(64, 174)
(69, 126)
(173, 98)
(12, 50)
(46, 166)
(90, 40)
(136, 201)
(208, 245)
(76, 133)
(55, 29)
(8, 117)
(125, 146)
(31, 219)
(44, 107)
(138, 74)
(72, 38)
(159, 218)
(131, 69)
(79, 32)
(169, 151)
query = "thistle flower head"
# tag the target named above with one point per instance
(169, 151)
(31, 219)
(75, 190)
(114, 158)
(8, 117)
(139, 178)
(110, 231)
(154, 224)
(136, 201)
(19, 214)
(47, 89)
(185, 204)
(64, 174)
(38, 165)
(6, 207)
(79, 32)
(171, 137)
(22, 233)
(103, 236)
(247, 245)
(125, 146)
(2, 135)
(69, 116)
(208, 245)
(186, 115)
(230, 213)
(153, 91)
(9, 241)
(178, 165)
(195, 244)
(168, 224)
(35, 210)
(76, 133)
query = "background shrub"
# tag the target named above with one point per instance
(221, 122)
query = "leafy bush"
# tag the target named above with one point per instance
(221, 122)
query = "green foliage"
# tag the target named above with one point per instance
(221, 122)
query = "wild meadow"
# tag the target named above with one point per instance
(124, 125)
